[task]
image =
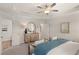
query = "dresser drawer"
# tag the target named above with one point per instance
(32, 37)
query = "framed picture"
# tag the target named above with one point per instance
(64, 27)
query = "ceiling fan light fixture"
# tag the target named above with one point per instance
(46, 11)
(47, 8)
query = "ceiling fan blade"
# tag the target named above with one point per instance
(46, 6)
(55, 10)
(39, 7)
(53, 4)
(40, 12)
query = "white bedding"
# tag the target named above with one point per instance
(38, 42)
(68, 48)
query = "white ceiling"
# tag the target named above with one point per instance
(29, 10)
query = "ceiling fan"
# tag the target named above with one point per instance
(47, 8)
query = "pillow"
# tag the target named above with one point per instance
(54, 38)
(38, 42)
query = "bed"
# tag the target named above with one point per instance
(57, 47)
(68, 48)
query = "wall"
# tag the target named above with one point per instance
(74, 26)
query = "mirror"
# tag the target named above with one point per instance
(31, 27)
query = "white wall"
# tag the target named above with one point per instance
(74, 26)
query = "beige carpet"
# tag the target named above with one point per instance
(17, 50)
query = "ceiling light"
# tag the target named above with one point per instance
(46, 11)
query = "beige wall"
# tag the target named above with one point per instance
(74, 26)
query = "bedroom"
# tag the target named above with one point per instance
(15, 18)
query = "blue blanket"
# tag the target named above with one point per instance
(44, 48)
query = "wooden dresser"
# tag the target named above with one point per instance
(31, 37)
